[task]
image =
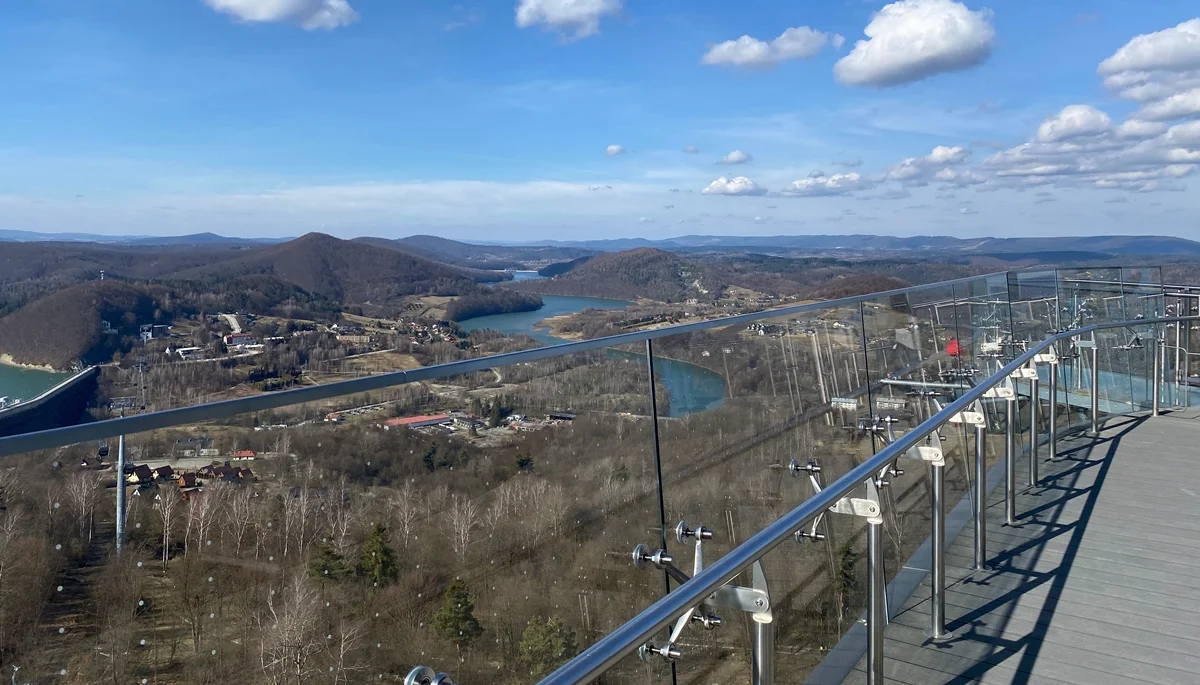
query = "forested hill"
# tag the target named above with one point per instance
(478, 256)
(642, 273)
(349, 271)
(65, 326)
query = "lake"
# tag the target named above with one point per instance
(27, 384)
(691, 388)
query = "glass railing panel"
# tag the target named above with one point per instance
(760, 397)
(1142, 292)
(481, 525)
(1034, 298)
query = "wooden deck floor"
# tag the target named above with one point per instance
(1097, 585)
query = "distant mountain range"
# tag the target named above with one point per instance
(190, 239)
(1113, 244)
(514, 254)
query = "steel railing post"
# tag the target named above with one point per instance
(1010, 462)
(937, 562)
(981, 497)
(1053, 392)
(875, 602)
(1095, 390)
(1158, 350)
(1035, 401)
(763, 654)
(120, 493)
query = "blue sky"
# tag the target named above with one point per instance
(570, 118)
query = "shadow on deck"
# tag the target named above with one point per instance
(1094, 586)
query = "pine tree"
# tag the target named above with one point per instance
(546, 644)
(328, 564)
(455, 620)
(377, 560)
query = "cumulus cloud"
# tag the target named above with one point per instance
(913, 39)
(738, 185)
(1136, 128)
(309, 14)
(614, 150)
(1074, 121)
(1172, 49)
(737, 157)
(691, 149)
(1177, 106)
(919, 170)
(573, 18)
(800, 42)
(821, 186)
(943, 154)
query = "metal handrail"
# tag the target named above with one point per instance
(182, 416)
(605, 653)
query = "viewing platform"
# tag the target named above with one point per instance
(1095, 585)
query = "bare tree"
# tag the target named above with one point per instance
(168, 506)
(204, 509)
(340, 517)
(406, 507)
(342, 652)
(289, 632)
(239, 514)
(463, 517)
(82, 492)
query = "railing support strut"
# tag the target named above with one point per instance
(875, 602)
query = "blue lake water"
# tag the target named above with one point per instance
(691, 388)
(17, 382)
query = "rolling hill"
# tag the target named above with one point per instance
(643, 272)
(479, 256)
(65, 326)
(348, 271)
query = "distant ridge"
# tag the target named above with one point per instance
(189, 239)
(1112, 244)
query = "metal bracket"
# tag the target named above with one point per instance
(1045, 358)
(754, 600)
(971, 418)
(1025, 373)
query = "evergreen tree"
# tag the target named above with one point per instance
(546, 644)
(377, 560)
(455, 620)
(496, 414)
(328, 564)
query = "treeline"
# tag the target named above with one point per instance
(643, 273)
(492, 301)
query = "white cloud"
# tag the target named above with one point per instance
(309, 14)
(1184, 135)
(800, 42)
(1074, 121)
(691, 149)
(948, 155)
(614, 150)
(738, 185)
(913, 39)
(967, 210)
(1136, 128)
(837, 184)
(918, 170)
(1173, 49)
(737, 157)
(1177, 106)
(579, 18)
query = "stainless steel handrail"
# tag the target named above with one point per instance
(170, 418)
(605, 653)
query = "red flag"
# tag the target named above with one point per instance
(952, 347)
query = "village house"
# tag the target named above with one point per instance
(141, 475)
(164, 473)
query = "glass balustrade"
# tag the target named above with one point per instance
(484, 523)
